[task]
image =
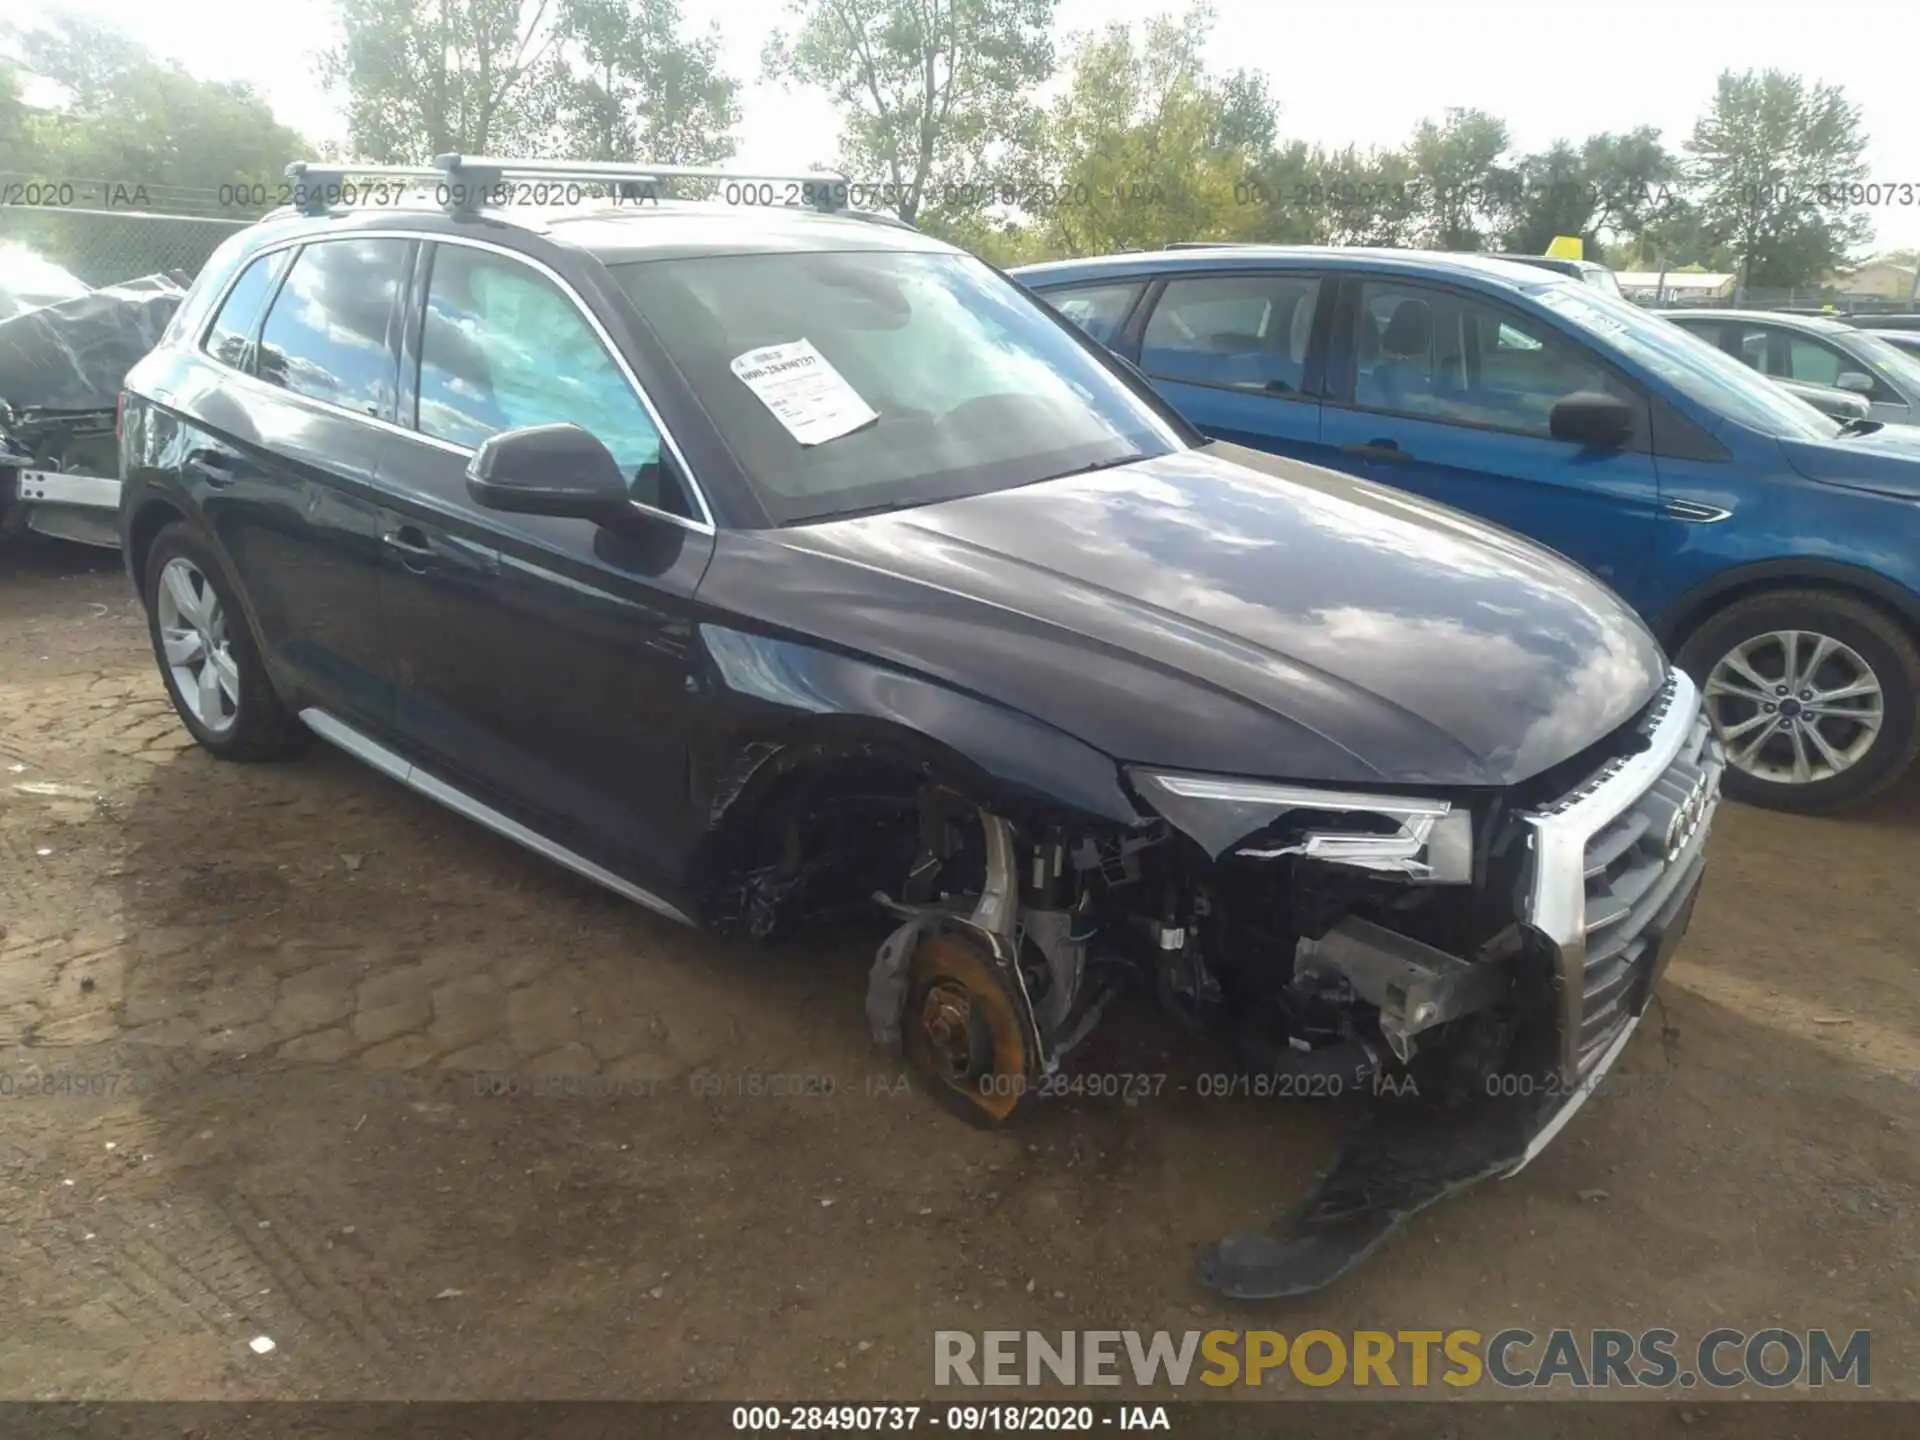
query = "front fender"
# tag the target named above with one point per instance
(788, 702)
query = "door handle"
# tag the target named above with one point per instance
(1377, 450)
(212, 469)
(412, 544)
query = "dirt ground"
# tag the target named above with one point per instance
(247, 1016)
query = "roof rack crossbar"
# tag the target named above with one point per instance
(317, 184)
(463, 183)
(471, 176)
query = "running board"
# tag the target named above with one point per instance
(397, 767)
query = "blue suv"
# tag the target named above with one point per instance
(1775, 551)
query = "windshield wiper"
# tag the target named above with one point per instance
(1112, 464)
(1861, 427)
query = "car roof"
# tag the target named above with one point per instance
(637, 230)
(1816, 324)
(1432, 263)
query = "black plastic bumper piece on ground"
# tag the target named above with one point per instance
(1398, 1159)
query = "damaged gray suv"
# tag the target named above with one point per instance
(765, 565)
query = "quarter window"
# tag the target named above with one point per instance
(501, 347)
(1100, 310)
(1242, 332)
(227, 340)
(326, 335)
(1438, 355)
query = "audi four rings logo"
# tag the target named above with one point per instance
(1686, 818)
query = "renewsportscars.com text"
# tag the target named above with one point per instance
(1513, 1358)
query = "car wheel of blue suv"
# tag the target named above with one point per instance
(1812, 693)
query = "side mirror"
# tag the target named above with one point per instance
(548, 470)
(1591, 418)
(1856, 381)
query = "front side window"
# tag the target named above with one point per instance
(870, 380)
(1244, 332)
(1440, 355)
(502, 346)
(326, 335)
(1709, 377)
(1100, 310)
(227, 340)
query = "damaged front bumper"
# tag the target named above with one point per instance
(1615, 868)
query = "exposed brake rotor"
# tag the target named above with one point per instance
(962, 1031)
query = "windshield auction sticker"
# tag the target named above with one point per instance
(804, 392)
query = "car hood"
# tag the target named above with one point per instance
(1228, 611)
(1887, 462)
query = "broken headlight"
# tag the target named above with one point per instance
(1417, 838)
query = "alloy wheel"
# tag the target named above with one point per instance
(1794, 707)
(193, 634)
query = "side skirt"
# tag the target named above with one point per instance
(337, 732)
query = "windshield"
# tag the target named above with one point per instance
(1606, 281)
(1703, 373)
(1900, 366)
(873, 380)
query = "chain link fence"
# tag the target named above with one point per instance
(103, 246)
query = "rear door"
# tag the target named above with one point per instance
(285, 467)
(1236, 353)
(544, 664)
(1447, 392)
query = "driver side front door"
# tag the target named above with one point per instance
(543, 664)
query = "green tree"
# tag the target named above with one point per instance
(1772, 160)
(933, 94)
(1461, 183)
(1364, 198)
(607, 79)
(129, 119)
(1608, 190)
(640, 88)
(426, 76)
(1146, 146)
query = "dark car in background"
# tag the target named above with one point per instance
(1777, 552)
(771, 566)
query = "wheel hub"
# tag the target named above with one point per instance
(195, 650)
(1795, 707)
(959, 1041)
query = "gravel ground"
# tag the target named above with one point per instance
(262, 1011)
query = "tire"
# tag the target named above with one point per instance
(239, 717)
(1848, 636)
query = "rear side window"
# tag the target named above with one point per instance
(326, 335)
(502, 346)
(1243, 332)
(227, 340)
(1100, 310)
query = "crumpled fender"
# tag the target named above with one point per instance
(819, 704)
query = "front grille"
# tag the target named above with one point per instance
(1633, 864)
(1611, 858)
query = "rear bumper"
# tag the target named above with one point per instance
(82, 508)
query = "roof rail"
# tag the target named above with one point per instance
(462, 183)
(470, 177)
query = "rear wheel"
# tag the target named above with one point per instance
(962, 1032)
(207, 657)
(1812, 694)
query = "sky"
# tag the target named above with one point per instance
(1364, 72)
